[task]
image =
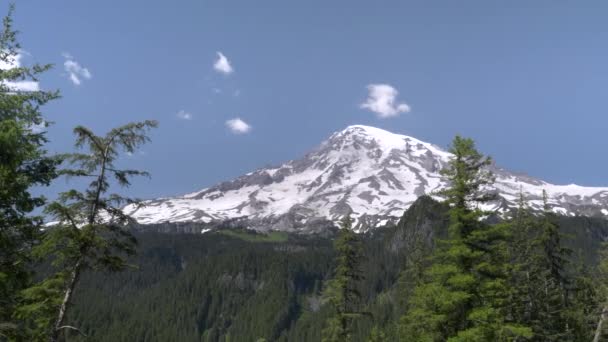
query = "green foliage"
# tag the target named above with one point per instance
(463, 295)
(255, 236)
(342, 290)
(602, 294)
(23, 164)
(505, 281)
(550, 280)
(208, 287)
(90, 233)
(377, 335)
(553, 298)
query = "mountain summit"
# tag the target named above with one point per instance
(366, 171)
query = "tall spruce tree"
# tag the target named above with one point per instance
(464, 295)
(23, 164)
(92, 230)
(342, 291)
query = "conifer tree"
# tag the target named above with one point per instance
(92, 230)
(602, 290)
(583, 303)
(548, 295)
(465, 291)
(551, 280)
(342, 291)
(415, 264)
(521, 271)
(23, 164)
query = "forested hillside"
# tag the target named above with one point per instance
(237, 285)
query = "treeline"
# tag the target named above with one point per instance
(240, 286)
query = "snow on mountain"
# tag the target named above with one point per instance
(372, 173)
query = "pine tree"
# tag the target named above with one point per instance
(465, 292)
(92, 229)
(602, 291)
(23, 164)
(342, 290)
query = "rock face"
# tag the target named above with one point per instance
(368, 172)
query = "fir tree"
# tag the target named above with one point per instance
(90, 233)
(342, 291)
(465, 292)
(23, 164)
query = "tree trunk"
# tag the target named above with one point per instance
(598, 330)
(66, 301)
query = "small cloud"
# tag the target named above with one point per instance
(14, 61)
(382, 100)
(237, 93)
(76, 72)
(217, 90)
(222, 64)
(22, 85)
(182, 114)
(238, 126)
(133, 155)
(38, 128)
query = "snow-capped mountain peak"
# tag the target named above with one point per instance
(366, 171)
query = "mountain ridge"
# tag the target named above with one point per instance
(373, 174)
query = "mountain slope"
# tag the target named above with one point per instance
(369, 172)
(241, 285)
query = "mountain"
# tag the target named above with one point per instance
(372, 173)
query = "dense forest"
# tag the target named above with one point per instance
(448, 271)
(239, 285)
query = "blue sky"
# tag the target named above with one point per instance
(528, 80)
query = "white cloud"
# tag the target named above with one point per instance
(133, 155)
(15, 62)
(76, 72)
(238, 126)
(182, 114)
(222, 64)
(23, 85)
(382, 100)
(38, 128)
(12, 62)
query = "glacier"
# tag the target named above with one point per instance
(370, 173)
